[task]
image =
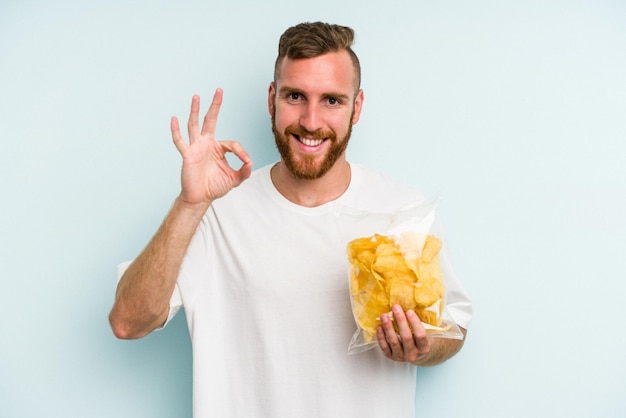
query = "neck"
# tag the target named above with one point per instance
(311, 193)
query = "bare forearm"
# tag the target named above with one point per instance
(143, 294)
(441, 349)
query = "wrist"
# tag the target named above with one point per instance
(194, 208)
(186, 214)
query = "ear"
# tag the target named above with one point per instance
(271, 97)
(358, 105)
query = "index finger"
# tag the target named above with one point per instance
(210, 119)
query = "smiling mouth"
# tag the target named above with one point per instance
(309, 142)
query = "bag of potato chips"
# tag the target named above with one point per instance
(395, 259)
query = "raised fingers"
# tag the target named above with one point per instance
(210, 119)
(180, 143)
(192, 123)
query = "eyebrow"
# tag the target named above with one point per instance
(288, 90)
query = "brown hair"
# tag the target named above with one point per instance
(309, 40)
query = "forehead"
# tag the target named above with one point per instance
(331, 72)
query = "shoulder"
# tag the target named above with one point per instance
(378, 191)
(375, 177)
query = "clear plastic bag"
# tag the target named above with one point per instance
(394, 259)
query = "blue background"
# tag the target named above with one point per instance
(512, 111)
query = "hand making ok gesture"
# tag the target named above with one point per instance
(206, 174)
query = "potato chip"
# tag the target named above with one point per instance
(369, 307)
(362, 249)
(389, 261)
(432, 246)
(428, 270)
(359, 277)
(401, 292)
(385, 273)
(427, 291)
(432, 314)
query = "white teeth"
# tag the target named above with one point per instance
(311, 142)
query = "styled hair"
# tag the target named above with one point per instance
(309, 40)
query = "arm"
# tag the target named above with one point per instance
(143, 293)
(414, 346)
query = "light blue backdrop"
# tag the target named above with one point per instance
(514, 112)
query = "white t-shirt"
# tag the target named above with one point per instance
(264, 285)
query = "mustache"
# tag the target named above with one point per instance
(299, 131)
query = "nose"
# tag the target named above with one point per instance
(310, 119)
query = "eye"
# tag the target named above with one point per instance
(294, 96)
(335, 101)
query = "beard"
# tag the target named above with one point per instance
(308, 167)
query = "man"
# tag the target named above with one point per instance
(260, 268)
